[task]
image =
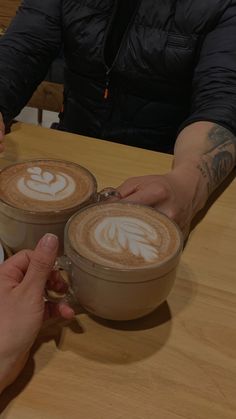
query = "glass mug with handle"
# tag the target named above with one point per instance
(39, 196)
(121, 259)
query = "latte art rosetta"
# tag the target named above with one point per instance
(46, 185)
(122, 234)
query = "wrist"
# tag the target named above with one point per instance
(194, 184)
(10, 368)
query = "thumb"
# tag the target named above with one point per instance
(41, 265)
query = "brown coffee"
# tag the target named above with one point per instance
(123, 236)
(45, 185)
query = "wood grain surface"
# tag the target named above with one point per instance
(8, 10)
(177, 363)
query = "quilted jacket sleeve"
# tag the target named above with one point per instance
(31, 43)
(214, 82)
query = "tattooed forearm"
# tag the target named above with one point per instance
(220, 158)
(222, 164)
(206, 173)
(219, 136)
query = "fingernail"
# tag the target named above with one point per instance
(49, 241)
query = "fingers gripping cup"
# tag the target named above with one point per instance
(122, 259)
(38, 197)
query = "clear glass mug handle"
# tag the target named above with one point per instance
(108, 193)
(63, 265)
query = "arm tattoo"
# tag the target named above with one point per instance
(220, 157)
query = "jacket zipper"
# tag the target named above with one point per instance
(106, 90)
(109, 69)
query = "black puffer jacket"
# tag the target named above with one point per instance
(176, 65)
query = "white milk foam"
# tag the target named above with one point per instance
(122, 234)
(45, 185)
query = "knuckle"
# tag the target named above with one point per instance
(41, 264)
(173, 214)
(162, 193)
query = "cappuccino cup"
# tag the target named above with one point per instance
(121, 259)
(38, 197)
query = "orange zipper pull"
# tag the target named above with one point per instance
(106, 93)
(106, 90)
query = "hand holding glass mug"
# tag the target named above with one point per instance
(23, 278)
(40, 196)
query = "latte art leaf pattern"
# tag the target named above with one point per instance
(121, 234)
(45, 185)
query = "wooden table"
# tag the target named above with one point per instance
(179, 362)
(8, 10)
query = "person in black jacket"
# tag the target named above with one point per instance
(154, 74)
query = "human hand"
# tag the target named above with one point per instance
(167, 193)
(2, 133)
(23, 278)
